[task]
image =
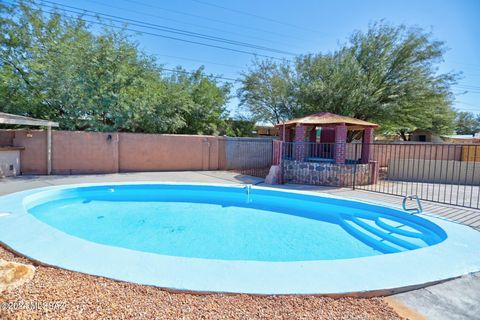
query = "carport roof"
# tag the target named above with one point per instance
(8, 118)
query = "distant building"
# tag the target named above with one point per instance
(429, 137)
(462, 138)
(266, 130)
(420, 135)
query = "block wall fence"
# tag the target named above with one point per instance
(80, 152)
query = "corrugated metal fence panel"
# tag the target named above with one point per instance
(248, 156)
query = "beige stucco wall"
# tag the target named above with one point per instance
(76, 152)
(157, 152)
(384, 153)
(33, 159)
(439, 171)
(9, 163)
(84, 152)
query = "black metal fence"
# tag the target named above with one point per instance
(309, 151)
(444, 173)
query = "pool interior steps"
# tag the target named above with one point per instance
(387, 237)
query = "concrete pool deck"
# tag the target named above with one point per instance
(450, 300)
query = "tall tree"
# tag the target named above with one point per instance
(387, 75)
(267, 91)
(55, 67)
(206, 112)
(467, 123)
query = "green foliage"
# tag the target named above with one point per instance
(386, 75)
(55, 68)
(240, 127)
(206, 112)
(467, 123)
(268, 92)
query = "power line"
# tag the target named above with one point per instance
(166, 28)
(190, 72)
(213, 20)
(466, 103)
(197, 60)
(251, 36)
(468, 84)
(164, 36)
(467, 87)
(253, 15)
(465, 91)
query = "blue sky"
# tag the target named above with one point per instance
(300, 27)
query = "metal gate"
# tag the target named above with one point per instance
(249, 156)
(438, 172)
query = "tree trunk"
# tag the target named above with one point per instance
(403, 135)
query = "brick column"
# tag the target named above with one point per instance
(367, 144)
(288, 137)
(300, 131)
(313, 135)
(340, 143)
(280, 134)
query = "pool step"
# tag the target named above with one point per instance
(382, 239)
(385, 234)
(369, 238)
(425, 235)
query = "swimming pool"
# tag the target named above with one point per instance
(234, 238)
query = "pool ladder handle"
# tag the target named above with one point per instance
(418, 209)
(248, 190)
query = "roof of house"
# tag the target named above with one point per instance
(326, 118)
(8, 118)
(460, 136)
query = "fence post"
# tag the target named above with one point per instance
(282, 162)
(355, 167)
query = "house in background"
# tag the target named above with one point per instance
(420, 135)
(265, 130)
(429, 137)
(463, 138)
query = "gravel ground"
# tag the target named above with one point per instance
(60, 294)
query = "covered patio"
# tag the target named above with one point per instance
(14, 119)
(315, 150)
(327, 133)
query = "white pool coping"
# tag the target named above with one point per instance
(457, 255)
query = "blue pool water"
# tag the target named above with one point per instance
(229, 223)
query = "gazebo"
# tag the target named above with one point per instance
(318, 143)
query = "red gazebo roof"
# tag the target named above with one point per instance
(327, 118)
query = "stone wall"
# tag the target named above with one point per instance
(327, 174)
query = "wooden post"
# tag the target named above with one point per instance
(49, 150)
